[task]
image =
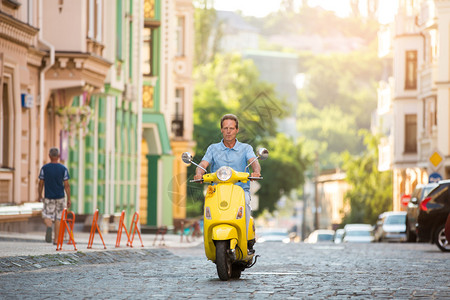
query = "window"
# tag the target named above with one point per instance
(411, 133)
(179, 99)
(119, 30)
(178, 118)
(180, 36)
(6, 119)
(411, 70)
(95, 20)
(147, 52)
(429, 114)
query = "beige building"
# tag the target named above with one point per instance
(413, 106)
(109, 83)
(22, 67)
(181, 109)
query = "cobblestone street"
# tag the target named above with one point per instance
(284, 271)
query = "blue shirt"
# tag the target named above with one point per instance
(219, 155)
(54, 175)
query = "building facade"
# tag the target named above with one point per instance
(96, 79)
(167, 109)
(413, 105)
(23, 61)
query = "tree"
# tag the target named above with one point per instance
(229, 84)
(371, 192)
(207, 34)
(282, 172)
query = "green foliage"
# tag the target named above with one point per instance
(371, 192)
(283, 171)
(337, 100)
(205, 19)
(229, 84)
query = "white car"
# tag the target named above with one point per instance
(338, 236)
(391, 226)
(320, 235)
(358, 233)
(272, 235)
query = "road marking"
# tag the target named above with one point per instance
(328, 247)
(273, 273)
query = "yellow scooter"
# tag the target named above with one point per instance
(224, 232)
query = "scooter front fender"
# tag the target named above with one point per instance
(224, 232)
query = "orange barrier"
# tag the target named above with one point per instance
(121, 228)
(62, 228)
(93, 228)
(134, 222)
(133, 229)
(71, 222)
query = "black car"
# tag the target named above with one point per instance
(433, 212)
(412, 210)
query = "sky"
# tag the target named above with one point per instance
(260, 8)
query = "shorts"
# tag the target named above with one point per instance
(53, 208)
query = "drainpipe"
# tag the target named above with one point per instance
(42, 95)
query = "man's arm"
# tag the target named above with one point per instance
(67, 189)
(199, 172)
(256, 167)
(40, 188)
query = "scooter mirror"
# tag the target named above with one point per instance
(186, 157)
(263, 153)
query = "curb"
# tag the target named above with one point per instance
(29, 263)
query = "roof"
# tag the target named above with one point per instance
(235, 21)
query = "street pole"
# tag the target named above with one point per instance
(316, 193)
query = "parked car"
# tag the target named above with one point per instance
(358, 233)
(339, 234)
(391, 226)
(273, 235)
(320, 235)
(433, 213)
(412, 210)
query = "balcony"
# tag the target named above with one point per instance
(384, 155)
(385, 39)
(405, 25)
(385, 93)
(78, 70)
(428, 78)
(427, 14)
(178, 126)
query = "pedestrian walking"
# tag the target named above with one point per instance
(54, 177)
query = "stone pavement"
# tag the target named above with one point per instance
(22, 252)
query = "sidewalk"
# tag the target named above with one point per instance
(21, 252)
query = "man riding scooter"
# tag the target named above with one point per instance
(230, 152)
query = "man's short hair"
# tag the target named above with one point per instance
(54, 152)
(229, 117)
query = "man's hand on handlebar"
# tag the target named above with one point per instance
(254, 175)
(198, 178)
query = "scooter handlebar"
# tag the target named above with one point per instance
(196, 180)
(255, 178)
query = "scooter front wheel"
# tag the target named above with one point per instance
(223, 261)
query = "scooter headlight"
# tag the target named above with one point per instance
(224, 173)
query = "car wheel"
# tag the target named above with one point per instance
(440, 240)
(410, 236)
(447, 228)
